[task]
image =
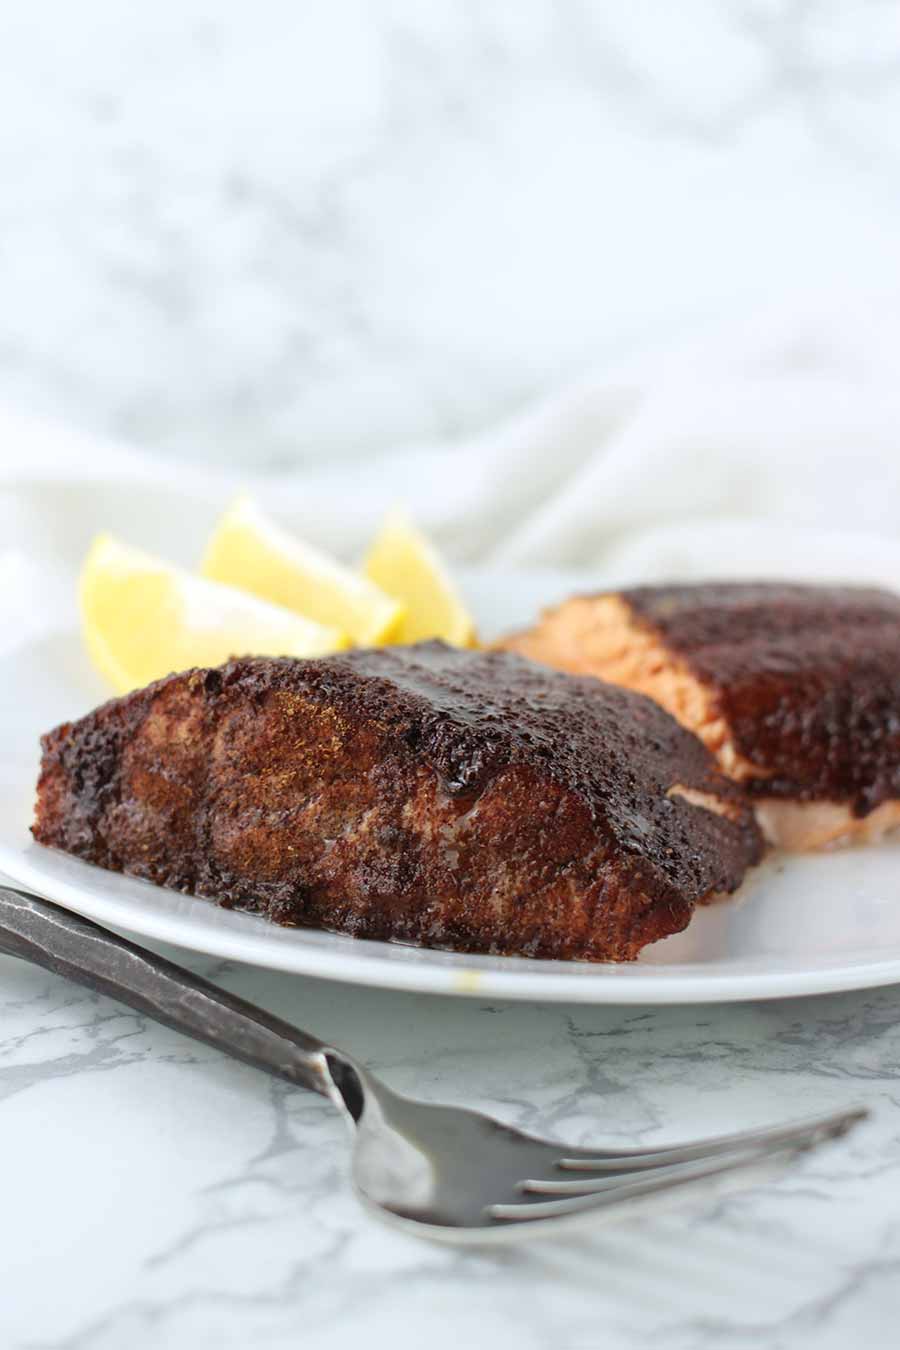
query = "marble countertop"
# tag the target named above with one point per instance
(266, 233)
(156, 1194)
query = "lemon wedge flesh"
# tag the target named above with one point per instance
(249, 550)
(403, 562)
(142, 618)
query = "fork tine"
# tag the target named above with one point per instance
(795, 1133)
(614, 1181)
(618, 1191)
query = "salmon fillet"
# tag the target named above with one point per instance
(795, 689)
(448, 798)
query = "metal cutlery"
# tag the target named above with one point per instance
(445, 1171)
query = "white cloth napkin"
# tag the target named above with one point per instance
(768, 448)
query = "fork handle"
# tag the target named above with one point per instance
(48, 935)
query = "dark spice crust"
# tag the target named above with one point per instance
(807, 678)
(423, 794)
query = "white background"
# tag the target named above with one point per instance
(257, 233)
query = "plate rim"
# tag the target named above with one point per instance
(372, 964)
(542, 982)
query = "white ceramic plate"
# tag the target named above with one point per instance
(799, 926)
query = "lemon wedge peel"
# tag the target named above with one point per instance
(250, 551)
(143, 617)
(403, 562)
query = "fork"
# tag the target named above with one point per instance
(445, 1171)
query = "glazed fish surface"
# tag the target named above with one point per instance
(795, 689)
(428, 795)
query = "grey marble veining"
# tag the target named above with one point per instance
(264, 233)
(156, 1194)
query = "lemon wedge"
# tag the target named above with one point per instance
(403, 562)
(142, 618)
(249, 550)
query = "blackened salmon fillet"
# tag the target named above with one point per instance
(460, 799)
(795, 689)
